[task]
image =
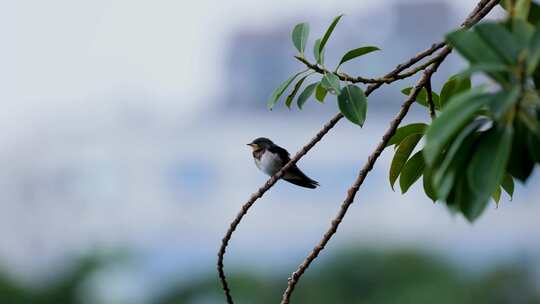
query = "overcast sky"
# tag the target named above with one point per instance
(65, 56)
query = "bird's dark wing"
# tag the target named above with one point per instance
(282, 153)
(297, 177)
(293, 175)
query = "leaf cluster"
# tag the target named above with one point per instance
(481, 140)
(351, 99)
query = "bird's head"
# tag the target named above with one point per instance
(260, 143)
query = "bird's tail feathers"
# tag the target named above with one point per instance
(306, 183)
(298, 178)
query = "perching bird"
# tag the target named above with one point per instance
(270, 157)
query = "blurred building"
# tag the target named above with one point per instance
(257, 62)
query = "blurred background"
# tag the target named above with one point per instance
(123, 160)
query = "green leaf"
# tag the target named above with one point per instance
(407, 91)
(330, 82)
(521, 163)
(412, 171)
(457, 142)
(507, 5)
(534, 14)
(503, 101)
(448, 89)
(402, 155)
(405, 131)
(529, 120)
(427, 182)
(466, 203)
(471, 46)
(487, 68)
(457, 113)
(533, 143)
(500, 40)
(455, 85)
(274, 98)
(300, 35)
(320, 93)
(454, 160)
(304, 96)
(317, 52)
(328, 33)
(508, 185)
(488, 165)
(534, 56)
(297, 86)
(522, 31)
(522, 8)
(497, 195)
(536, 78)
(422, 97)
(352, 103)
(357, 53)
(463, 85)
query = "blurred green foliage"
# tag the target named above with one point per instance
(62, 291)
(378, 278)
(375, 277)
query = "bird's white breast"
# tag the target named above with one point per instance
(270, 163)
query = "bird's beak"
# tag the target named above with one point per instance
(253, 146)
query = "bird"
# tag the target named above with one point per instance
(270, 158)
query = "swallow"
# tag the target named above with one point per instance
(270, 158)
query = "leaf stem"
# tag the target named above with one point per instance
(431, 104)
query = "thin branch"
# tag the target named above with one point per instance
(359, 79)
(351, 193)
(409, 63)
(481, 10)
(431, 104)
(417, 69)
(326, 128)
(389, 79)
(481, 5)
(225, 241)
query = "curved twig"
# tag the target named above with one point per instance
(326, 128)
(389, 79)
(351, 193)
(225, 241)
(359, 79)
(483, 8)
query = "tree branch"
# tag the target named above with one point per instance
(431, 105)
(326, 128)
(345, 77)
(388, 79)
(351, 193)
